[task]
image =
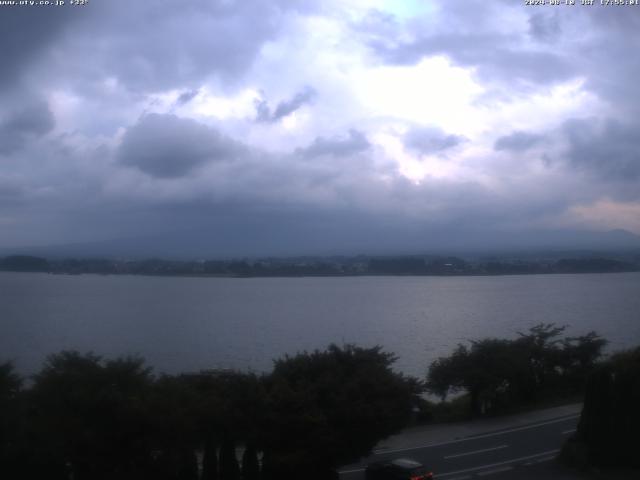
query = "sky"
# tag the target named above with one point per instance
(344, 126)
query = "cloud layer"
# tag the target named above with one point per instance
(166, 146)
(349, 123)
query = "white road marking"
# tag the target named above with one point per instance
(542, 460)
(498, 464)
(486, 435)
(495, 470)
(567, 432)
(476, 451)
(351, 471)
(466, 477)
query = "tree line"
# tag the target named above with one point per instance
(313, 266)
(85, 417)
(501, 374)
(607, 434)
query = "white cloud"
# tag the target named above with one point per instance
(433, 92)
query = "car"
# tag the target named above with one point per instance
(398, 469)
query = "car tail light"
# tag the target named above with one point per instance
(418, 478)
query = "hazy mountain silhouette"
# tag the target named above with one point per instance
(306, 239)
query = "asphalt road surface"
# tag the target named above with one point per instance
(516, 452)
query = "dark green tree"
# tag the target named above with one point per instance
(229, 468)
(24, 263)
(90, 415)
(331, 407)
(579, 356)
(487, 371)
(541, 343)
(174, 426)
(230, 408)
(210, 460)
(250, 464)
(10, 421)
(498, 373)
(610, 420)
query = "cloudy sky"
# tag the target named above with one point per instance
(296, 126)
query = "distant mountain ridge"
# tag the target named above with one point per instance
(211, 244)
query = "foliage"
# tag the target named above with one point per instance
(24, 263)
(498, 374)
(229, 468)
(610, 418)
(10, 382)
(325, 408)
(250, 464)
(10, 385)
(85, 417)
(209, 460)
(90, 414)
(92, 418)
(321, 266)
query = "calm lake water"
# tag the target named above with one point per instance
(187, 324)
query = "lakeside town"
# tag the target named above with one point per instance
(574, 262)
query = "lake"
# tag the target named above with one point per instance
(187, 324)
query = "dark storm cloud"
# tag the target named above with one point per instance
(517, 141)
(544, 27)
(186, 97)
(284, 108)
(472, 34)
(11, 192)
(25, 33)
(611, 72)
(165, 45)
(427, 141)
(167, 146)
(28, 121)
(609, 149)
(101, 72)
(354, 142)
(146, 47)
(491, 54)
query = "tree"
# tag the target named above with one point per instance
(229, 468)
(446, 374)
(487, 371)
(250, 465)
(24, 263)
(542, 346)
(328, 408)
(174, 426)
(90, 415)
(230, 408)
(610, 418)
(10, 389)
(498, 373)
(209, 460)
(579, 356)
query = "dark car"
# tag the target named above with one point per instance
(399, 469)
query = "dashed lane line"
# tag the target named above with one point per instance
(476, 451)
(541, 460)
(355, 470)
(495, 470)
(498, 464)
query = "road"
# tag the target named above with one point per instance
(496, 453)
